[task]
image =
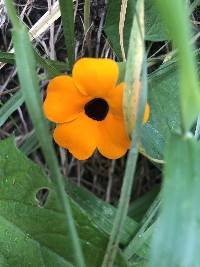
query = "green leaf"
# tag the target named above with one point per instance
(138, 207)
(165, 117)
(154, 29)
(33, 234)
(102, 213)
(175, 14)
(176, 237)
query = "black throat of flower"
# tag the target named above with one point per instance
(97, 109)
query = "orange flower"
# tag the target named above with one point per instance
(87, 108)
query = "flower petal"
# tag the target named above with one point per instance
(146, 113)
(115, 100)
(95, 77)
(113, 140)
(63, 102)
(78, 136)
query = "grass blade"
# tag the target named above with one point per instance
(7, 57)
(10, 106)
(144, 233)
(176, 236)
(30, 145)
(52, 67)
(26, 66)
(67, 15)
(132, 75)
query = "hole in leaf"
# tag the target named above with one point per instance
(41, 196)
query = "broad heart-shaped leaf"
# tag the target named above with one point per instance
(33, 235)
(176, 240)
(155, 30)
(163, 97)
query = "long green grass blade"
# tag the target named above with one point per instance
(139, 206)
(10, 106)
(52, 67)
(30, 145)
(176, 237)
(67, 15)
(131, 74)
(176, 16)
(144, 233)
(26, 67)
(7, 57)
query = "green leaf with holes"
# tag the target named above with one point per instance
(154, 29)
(34, 234)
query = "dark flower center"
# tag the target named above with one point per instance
(96, 109)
